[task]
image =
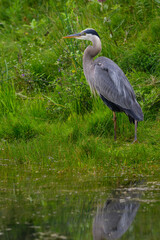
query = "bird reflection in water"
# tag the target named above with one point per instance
(117, 214)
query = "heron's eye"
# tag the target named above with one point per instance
(84, 33)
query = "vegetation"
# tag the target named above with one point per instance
(47, 114)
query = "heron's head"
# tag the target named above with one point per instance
(87, 34)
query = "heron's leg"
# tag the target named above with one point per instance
(115, 127)
(135, 136)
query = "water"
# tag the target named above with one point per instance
(37, 204)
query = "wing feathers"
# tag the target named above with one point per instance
(113, 85)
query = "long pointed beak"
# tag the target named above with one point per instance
(73, 35)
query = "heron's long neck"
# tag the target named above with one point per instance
(88, 67)
(89, 53)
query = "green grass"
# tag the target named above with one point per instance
(47, 114)
(72, 146)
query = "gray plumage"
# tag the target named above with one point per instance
(107, 79)
(113, 85)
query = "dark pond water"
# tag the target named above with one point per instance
(35, 204)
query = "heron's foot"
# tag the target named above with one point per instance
(135, 141)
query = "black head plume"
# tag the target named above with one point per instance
(91, 31)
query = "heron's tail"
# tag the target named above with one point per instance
(135, 113)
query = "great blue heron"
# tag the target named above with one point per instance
(107, 79)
